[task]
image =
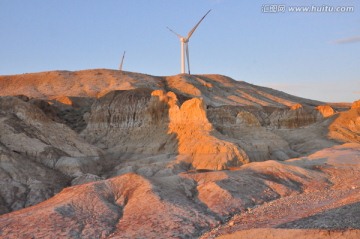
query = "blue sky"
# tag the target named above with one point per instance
(313, 55)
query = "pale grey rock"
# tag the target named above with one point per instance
(28, 130)
(85, 178)
(75, 167)
(24, 182)
(31, 145)
(247, 119)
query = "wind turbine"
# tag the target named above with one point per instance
(122, 61)
(184, 44)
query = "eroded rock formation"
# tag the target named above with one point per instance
(145, 122)
(114, 154)
(38, 155)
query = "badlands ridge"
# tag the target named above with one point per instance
(110, 154)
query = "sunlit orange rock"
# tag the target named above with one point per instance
(296, 106)
(346, 127)
(355, 104)
(196, 136)
(64, 100)
(325, 110)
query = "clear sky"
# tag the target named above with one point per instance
(313, 55)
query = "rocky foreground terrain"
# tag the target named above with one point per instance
(112, 154)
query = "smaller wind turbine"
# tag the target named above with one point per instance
(184, 45)
(122, 62)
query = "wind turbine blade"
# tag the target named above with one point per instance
(194, 28)
(188, 57)
(178, 35)
(122, 61)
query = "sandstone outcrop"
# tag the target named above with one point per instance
(300, 116)
(325, 110)
(296, 116)
(346, 126)
(197, 138)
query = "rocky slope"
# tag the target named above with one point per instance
(188, 204)
(110, 154)
(214, 89)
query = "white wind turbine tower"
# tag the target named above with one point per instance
(184, 45)
(122, 62)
